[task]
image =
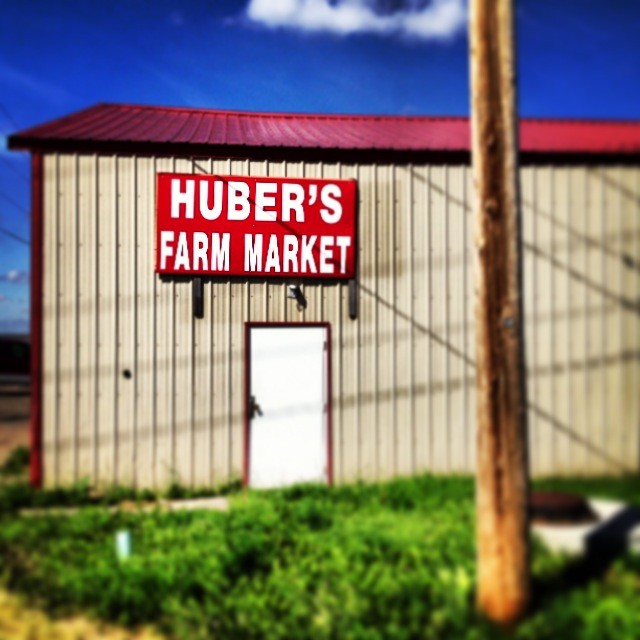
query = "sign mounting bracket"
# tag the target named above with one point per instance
(353, 298)
(198, 297)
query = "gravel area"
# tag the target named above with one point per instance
(21, 622)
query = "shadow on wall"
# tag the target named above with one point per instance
(539, 412)
(577, 339)
(221, 357)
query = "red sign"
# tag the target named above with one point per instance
(269, 227)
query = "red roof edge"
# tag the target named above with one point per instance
(127, 128)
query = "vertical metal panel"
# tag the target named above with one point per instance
(183, 381)
(420, 318)
(126, 304)
(469, 350)
(202, 392)
(439, 344)
(594, 314)
(456, 269)
(333, 312)
(146, 352)
(402, 322)
(613, 266)
(432, 386)
(346, 396)
(543, 348)
(87, 317)
(368, 323)
(528, 231)
(562, 220)
(577, 309)
(403, 389)
(384, 338)
(627, 409)
(67, 299)
(107, 319)
(50, 318)
(164, 364)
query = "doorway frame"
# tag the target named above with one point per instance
(247, 390)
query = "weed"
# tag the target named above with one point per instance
(16, 463)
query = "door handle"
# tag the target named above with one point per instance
(254, 408)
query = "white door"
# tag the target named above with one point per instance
(287, 406)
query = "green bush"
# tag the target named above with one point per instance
(393, 560)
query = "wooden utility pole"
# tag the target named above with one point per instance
(502, 468)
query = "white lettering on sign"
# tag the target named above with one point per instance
(266, 201)
(182, 199)
(166, 248)
(307, 262)
(215, 189)
(182, 253)
(292, 200)
(290, 253)
(332, 211)
(255, 226)
(293, 254)
(273, 256)
(344, 242)
(238, 206)
(200, 253)
(253, 253)
(326, 242)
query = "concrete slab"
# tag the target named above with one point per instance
(216, 503)
(208, 504)
(617, 528)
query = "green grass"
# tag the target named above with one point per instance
(393, 560)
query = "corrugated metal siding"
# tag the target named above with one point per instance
(583, 302)
(403, 387)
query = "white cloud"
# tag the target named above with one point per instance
(437, 19)
(15, 276)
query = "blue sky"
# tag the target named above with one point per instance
(576, 58)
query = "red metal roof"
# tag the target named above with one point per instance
(182, 127)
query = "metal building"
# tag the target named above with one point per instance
(132, 387)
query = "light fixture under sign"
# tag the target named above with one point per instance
(295, 292)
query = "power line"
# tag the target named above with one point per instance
(14, 236)
(8, 116)
(13, 202)
(14, 124)
(14, 169)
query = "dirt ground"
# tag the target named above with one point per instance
(19, 622)
(14, 417)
